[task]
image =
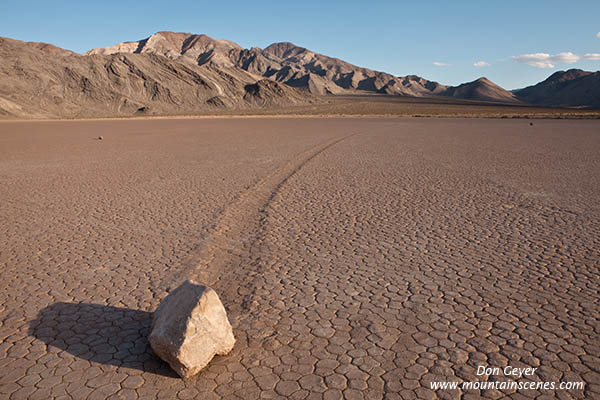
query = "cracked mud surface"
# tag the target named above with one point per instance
(357, 258)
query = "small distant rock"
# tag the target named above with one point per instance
(100, 137)
(189, 328)
(531, 124)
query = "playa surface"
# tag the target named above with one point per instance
(357, 258)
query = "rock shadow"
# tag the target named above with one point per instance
(102, 334)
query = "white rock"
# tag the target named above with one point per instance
(189, 327)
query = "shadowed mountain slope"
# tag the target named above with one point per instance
(573, 88)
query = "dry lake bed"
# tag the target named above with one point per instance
(357, 258)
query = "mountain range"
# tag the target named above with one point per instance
(181, 73)
(281, 62)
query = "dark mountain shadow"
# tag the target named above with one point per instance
(103, 334)
(141, 45)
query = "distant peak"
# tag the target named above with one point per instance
(482, 81)
(170, 33)
(286, 45)
(572, 73)
(188, 36)
(485, 81)
(283, 49)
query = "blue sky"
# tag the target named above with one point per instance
(522, 41)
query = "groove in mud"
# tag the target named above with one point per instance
(237, 230)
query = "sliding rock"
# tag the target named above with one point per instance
(189, 328)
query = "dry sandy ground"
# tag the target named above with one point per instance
(358, 258)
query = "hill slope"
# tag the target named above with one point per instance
(481, 89)
(38, 80)
(573, 88)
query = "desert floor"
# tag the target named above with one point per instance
(357, 258)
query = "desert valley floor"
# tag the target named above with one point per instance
(357, 258)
